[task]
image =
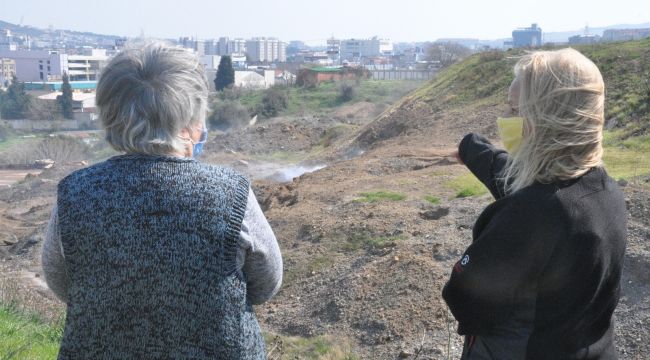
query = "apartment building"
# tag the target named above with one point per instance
(263, 49)
(354, 49)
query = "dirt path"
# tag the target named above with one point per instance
(10, 177)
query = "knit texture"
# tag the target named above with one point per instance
(150, 246)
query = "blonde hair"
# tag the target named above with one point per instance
(561, 99)
(149, 92)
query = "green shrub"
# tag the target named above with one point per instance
(228, 114)
(347, 91)
(274, 100)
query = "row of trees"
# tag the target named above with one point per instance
(16, 103)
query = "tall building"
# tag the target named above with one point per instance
(263, 49)
(527, 37)
(334, 49)
(237, 46)
(227, 46)
(352, 49)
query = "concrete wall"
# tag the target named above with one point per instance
(402, 74)
(81, 121)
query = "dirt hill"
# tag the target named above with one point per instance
(369, 240)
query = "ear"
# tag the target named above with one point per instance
(183, 133)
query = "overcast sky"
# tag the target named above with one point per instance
(314, 21)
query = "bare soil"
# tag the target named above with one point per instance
(371, 272)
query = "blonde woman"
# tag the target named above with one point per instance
(541, 278)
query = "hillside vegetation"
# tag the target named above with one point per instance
(479, 85)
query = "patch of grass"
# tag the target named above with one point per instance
(320, 262)
(432, 199)
(381, 195)
(326, 95)
(330, 135)
(466, 185)
(626, 158)
(16, 142)
(25, 335)
(358, 240)
(325, 347)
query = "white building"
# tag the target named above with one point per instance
(253, 80)
(86, 67)
(227, 46)
(40, 66)
(7, 71)
(7, 41)
(359, 48)
(334, 49)
(263, 49)
(81, 101)
(211, 61)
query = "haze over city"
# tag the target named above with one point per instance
(313, 22)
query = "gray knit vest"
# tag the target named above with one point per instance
(150, 247)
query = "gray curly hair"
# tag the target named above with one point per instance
(149, 92)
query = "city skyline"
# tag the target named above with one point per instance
(315, 22)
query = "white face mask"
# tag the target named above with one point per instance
(511, 131)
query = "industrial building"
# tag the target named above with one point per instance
(527, 37)
(625, 34)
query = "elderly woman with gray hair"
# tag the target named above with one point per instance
(155, 254)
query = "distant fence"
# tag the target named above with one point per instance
(402, 74)
(81, 121)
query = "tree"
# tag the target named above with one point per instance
(347, 91)
(14, 103)
(447, 53)
(274, 100)
(225, 74)
(65, 99)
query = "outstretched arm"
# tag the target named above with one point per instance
(485, 161)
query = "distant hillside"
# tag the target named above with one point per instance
(563, 36)
(36, 32)
(21, 30)
(480, 83)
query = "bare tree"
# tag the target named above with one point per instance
(447, 53)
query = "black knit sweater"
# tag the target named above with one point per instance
(543, 271)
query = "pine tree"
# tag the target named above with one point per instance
(225, 74)
(15, 102)
(65, 99)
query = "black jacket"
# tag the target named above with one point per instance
(542, 275)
